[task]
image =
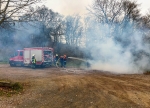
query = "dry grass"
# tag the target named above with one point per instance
(74, 88)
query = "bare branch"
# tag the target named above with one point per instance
(10, 9)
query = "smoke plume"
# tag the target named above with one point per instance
(117, 49)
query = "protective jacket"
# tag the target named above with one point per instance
(33, 59)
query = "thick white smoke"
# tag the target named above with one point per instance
(109, 57)
(116, 52)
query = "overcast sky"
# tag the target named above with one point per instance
(69, 7)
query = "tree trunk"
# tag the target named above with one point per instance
(5, 84)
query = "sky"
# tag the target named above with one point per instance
(70, 7)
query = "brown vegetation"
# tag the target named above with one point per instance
(75, 88)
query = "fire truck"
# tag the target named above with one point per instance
(43, 55)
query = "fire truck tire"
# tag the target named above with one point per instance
(42, 66)
(22, 64)
(12, 64)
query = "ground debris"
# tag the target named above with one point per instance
(75, 88)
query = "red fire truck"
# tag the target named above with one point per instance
(43, 55)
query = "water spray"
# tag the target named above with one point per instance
(75, 58)
(78, 59)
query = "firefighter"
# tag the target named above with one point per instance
(61, 61)
(64, 60)
(56, 60)
(33, 61)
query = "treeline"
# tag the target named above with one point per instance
(115, 22)
(44, 28)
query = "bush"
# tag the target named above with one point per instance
(17, 86)
(8, 88)
(147, 72)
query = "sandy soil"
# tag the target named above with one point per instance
(75, 88)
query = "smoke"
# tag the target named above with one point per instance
(113, 47)
(116, 48)
(109, 57)
(31, 34)
(15, 38)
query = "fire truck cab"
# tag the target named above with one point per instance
(16, 58)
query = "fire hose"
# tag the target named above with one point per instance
(78, 59)
(75, 58)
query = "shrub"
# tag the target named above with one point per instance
(17, 86)
(147, 72)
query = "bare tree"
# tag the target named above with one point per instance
(107, 11)
(50, 24)
(116, 20)
(74, 30)
(145, 26)
(131, 11)
(112, 11)
(10, 10)
(145, 20)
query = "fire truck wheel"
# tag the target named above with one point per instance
(12, 65)
(22, 64)
(42, 66)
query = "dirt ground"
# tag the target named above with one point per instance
(75, 88)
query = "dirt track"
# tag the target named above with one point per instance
(75, 88)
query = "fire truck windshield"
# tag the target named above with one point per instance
(15, 54)
(47, 52)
